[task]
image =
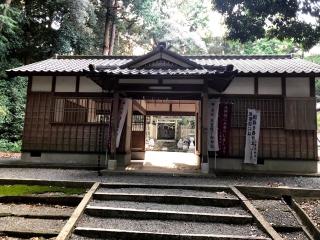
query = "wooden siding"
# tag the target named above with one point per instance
(81, 132)
(75, 133)
(300, 113)
(275, 141)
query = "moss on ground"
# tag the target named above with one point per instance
(20, 190)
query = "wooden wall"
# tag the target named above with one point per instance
(42, 132)
(278, 140)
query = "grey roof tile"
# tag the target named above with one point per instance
(244, 64)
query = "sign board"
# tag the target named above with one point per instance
(252, 136)
(213, 113)
(224, 126)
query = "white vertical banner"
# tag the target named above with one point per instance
(252, 136)
(213, 113)
(123, 110)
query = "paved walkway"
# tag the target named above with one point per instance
(85, 175)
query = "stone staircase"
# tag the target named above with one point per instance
(143, 211)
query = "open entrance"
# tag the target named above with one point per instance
(165, 136)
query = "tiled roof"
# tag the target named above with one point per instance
(244, 65)
(127, 71)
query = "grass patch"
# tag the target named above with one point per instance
(20, 190)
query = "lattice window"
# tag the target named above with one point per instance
(138, 123)
(80, 110)
(272, 111)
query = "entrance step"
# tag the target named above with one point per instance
(166, 215)
(208, 188)
(143, 235)
(171, 190)
(154, 211)
(238, 210)
(169, 199)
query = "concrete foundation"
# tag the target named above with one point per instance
(297, 166)
(74, 159)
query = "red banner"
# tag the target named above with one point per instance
(224, 126)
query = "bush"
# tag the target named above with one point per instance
(6, 146)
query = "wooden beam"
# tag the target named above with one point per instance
(256, 85)
(71, 224)
(114, 124)
(166, 113)
(257, 215)
(204, 126)
(283, 86)
(137, 107)
(312, 87)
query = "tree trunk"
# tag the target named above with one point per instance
(110, 27)
(112, 37)
(6, 6)
(106, 40)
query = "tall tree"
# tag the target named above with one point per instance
(5, 7)
(110, 26)
(249, 20)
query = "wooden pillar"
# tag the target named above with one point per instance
(204, 126)
(114, 124)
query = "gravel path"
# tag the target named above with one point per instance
(157, 191)
(176, 227)
(294, 236)
(84, 175)
(34, 238)
(276, 212)
(77, 237)
(170, 207)
(30, 225)
(35, 210)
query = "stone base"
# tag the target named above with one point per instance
(296, 166)
(74, 159)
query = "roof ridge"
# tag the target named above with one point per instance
(244, 56)
(93, 57)
(235, 56)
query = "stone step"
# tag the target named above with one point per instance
(166, 186)
(28, 234)
(141, 235)
(169, 191)
(36, 216)
(168, 199)
(238, 210)
(166, 215)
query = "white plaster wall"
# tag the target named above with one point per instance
(269, 85)
(87, 85)
(241, 85)
(297, 87)
(66, 84)
(41, 84)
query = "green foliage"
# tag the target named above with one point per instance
(6, 146)
(249, 20)
(21, 190)
(313, 58)
(269, 46)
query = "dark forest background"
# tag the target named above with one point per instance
(33, 30)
